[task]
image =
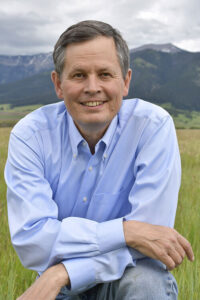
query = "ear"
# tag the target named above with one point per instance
(127, 82)
(57, 84)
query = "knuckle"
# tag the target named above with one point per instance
(173, 239)
(169, 248)
(162, 254)
(188, 245)
(171, 265)
(179, 261)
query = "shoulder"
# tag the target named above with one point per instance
(141, 109)
(145, 120)
(47, 117)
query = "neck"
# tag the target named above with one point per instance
(92, 135)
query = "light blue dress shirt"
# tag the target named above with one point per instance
(67, 205)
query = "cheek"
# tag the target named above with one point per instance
(115, 105)
(71, 91)
(116, 89)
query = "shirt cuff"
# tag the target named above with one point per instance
(110, 235)
(81, 272)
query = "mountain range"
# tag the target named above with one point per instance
(161, 74)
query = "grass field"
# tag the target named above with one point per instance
(183, 119)
(14, 279)
(10, 116)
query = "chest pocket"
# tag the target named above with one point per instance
(108, 206)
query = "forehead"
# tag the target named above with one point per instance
(98, 49)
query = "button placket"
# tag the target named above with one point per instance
(88, 181)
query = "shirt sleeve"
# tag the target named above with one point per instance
(157, 169)
(84, 273)
(37, 235)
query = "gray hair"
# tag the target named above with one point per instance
(85, 31)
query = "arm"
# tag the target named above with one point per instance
(33, 215)
(39, 238)
(110, 266)
(86, 272)
(154, 199)
(48, 285)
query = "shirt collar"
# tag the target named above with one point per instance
(76, 138)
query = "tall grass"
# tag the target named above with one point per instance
(14, 279)
(188, 213)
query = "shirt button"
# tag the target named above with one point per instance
(90, 168)
(84, 143)
(105, 156)
(84, 199)
(74, 155)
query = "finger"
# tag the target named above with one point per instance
(180, 250)
(167, 260)
(176, 257)
(170, 264)
(187, 247)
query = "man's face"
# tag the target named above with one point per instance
(92, 84)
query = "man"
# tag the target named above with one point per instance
(93, 182)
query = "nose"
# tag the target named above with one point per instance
(92, 85)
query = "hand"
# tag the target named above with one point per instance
(158, 242)
(48, 285)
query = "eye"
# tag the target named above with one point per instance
(105, 75)
(78, 75)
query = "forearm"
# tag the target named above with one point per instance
(48, 285)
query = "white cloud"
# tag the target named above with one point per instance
(33, 26)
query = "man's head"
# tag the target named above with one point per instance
(91, 75)
(85, 31)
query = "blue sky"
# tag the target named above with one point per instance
(33, 26)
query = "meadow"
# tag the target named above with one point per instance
(14, 279)
(183, 119)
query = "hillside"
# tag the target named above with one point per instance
(161, 74)
(13, 68)
(163, 77)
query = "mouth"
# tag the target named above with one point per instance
(93, 103)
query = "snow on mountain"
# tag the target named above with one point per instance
(40, 61)
(13, 68)
(168, 48)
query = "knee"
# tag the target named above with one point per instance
(148, 280)
(135, 282)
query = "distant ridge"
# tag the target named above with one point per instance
(168, 48)
(44, 60)
(161, 74)
(13, 68)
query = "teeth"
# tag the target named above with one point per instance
(95, 103)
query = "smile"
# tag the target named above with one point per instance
(93, 103)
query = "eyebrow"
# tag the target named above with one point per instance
(77, 69)
(84, 69)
